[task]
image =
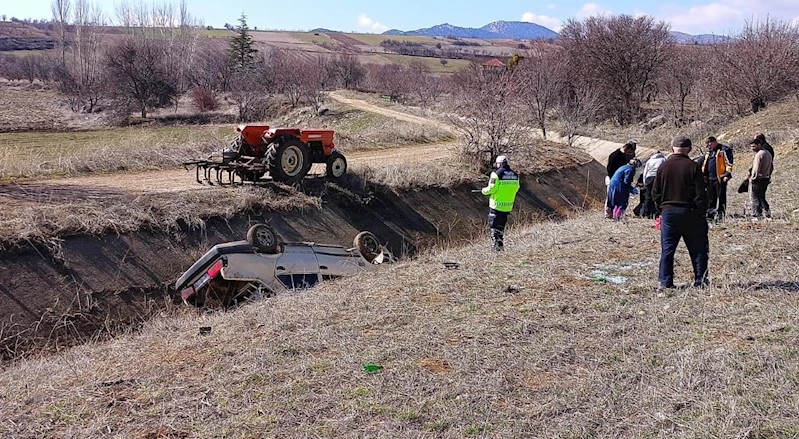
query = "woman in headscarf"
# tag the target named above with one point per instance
(621, 186)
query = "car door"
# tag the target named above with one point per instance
(297, 267)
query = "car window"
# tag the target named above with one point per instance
(298, 281)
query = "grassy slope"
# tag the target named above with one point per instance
(434, 64)
(505, 345)
(531, 340)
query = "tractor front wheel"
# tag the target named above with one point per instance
(336, 166)
(289, 160)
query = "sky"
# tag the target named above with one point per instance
(719, 17)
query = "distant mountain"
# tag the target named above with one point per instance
(321, 30)
(520, 30)
(446, 30)
(498, 30)
(683, 38)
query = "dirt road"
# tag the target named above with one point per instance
(180, 180)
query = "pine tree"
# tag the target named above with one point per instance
(242, 52)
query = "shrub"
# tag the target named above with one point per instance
(204, 99)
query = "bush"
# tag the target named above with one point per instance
(204, 99)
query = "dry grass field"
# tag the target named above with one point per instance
(538, 340)
(563, 335)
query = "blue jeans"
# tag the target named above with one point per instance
(692, 228)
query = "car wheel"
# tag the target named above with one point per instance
(263, 238)
(368, 245)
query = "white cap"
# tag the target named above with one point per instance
(501, 159)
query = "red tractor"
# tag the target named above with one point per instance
(285, 153)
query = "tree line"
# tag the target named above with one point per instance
(601, 68)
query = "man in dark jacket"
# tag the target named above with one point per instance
(718, 171)
(616, 160)
(679, 195)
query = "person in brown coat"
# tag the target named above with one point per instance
(759, 179)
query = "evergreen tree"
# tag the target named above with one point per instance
(242, 52)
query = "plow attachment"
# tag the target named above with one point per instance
(224, 172)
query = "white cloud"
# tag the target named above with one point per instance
(725, 16)
(552, 6)
(548, 22)
(366, 23)
(590, 10)
(705, 18)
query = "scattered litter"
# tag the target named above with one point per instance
(205, 330)
(735, 248)
(452, 265)
(622, 267)
(602, 276)
(372, 368)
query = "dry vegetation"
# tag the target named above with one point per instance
(34, 155)
(358, 130)
(531, 340)
(59, 212)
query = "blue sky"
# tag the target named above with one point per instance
(375, 16)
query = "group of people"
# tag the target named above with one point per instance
(716, 166)
(685, 194)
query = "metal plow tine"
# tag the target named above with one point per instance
(197, 173)
(207, 176)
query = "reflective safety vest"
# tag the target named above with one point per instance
(502, 192)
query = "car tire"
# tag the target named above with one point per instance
(263, 238)
(368, 245)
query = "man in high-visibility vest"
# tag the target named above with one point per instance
(501, 191)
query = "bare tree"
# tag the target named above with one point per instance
(539, 71)
(251, 89)
(316, 77)
(759, 65)
(620, 54)
(392, 79)
(29, 67)
(61, 11)
(140, 76)
(86, 53)
(680, 76)
(290, 80)
(210, 68)
(348, 70)
(485, 112)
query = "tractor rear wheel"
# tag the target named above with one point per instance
(336, 166)
(263, 238)
(289, 160)
(368, 245)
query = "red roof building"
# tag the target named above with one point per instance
(493, 63)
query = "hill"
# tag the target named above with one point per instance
(683, 38)
(493, 31)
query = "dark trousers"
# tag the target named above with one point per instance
(496, 227)
(649, 209)
(692, 228)
(716, 199)
(757, 194)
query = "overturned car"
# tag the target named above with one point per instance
(262, 266)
